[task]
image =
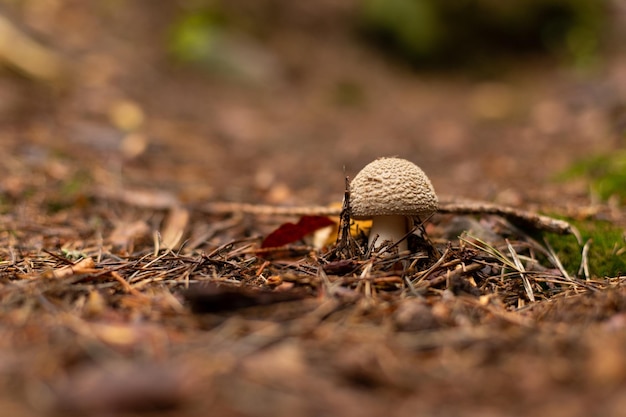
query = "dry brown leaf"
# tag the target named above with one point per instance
(84, 266)
(95, 304)
(174, 227)
(125, 233)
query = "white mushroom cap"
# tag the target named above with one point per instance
(391, 187)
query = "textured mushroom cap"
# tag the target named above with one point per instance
(391, 187)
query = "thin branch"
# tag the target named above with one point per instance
(160, 201)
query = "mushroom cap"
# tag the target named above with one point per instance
(391, 187)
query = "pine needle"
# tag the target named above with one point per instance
(520, 267)
(513, 262)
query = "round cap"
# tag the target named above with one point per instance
(391, 187)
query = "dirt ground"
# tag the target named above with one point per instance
(105, 170)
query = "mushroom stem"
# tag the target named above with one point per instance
(389, 228)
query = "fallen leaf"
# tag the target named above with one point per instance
(125, 233)
(95, 304)
(84, 266)
(208, 298)
(174, 228)
(292, 232)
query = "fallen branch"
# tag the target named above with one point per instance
(535, 220)
(160, 200)
(529, 218)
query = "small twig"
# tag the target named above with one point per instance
(410, 285)
(387, 248)
(328, 286)
(344, 244)
(423, 275)
(125, 285)
(426, 284)
(220, 207)
(367, 269)
(58, 257)
(584, 262)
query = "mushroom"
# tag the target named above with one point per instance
(391, 191)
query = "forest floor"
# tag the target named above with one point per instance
(110, 253)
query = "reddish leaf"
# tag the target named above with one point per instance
(290, 232)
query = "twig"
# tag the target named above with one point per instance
(344, 243)
(457, 272)
(423, 275)
(160, 201)
(584, 262)
(537, 221)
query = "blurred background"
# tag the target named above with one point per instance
(275, 101)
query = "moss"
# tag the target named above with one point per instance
(607, 251)
(606, 174)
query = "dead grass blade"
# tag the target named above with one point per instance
(489, 249)
(520, 267)
(513, 262)
(554, 259)
(584, 262)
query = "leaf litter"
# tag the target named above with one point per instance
(97, 285)
(183, 286)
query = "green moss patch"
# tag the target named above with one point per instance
(606, 174)
(607, 248)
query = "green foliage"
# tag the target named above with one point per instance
(607, 250)
(219, 43)
(451, 30)
(606, 174)
(193, 36)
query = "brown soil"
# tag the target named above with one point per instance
(122, 335)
